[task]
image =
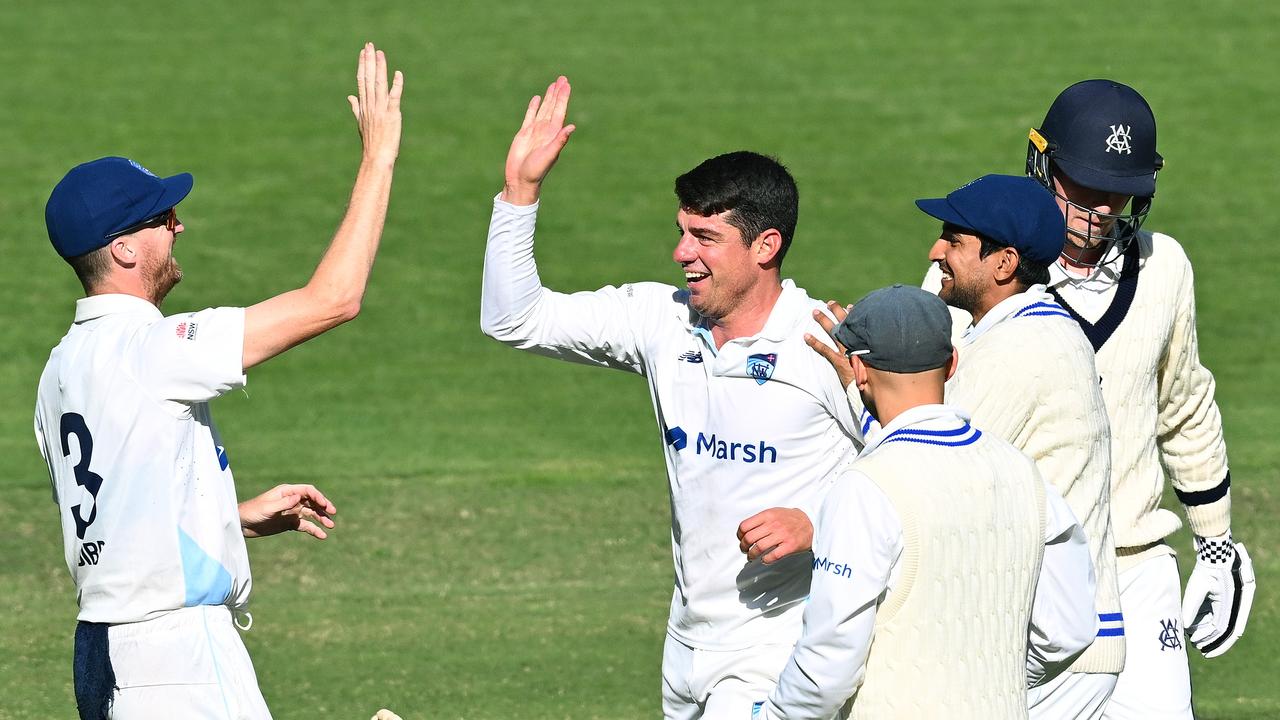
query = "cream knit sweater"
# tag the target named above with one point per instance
(1164, 420)
(947, 635)
(1027, 375)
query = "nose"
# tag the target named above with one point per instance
(684, 252)
(937, 253)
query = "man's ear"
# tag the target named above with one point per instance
(766, 246)
(1006, 264)
(953, 363)
(860, 373)
(123, 252)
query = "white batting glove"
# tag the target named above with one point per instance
(1219, 595)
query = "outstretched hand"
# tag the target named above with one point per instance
(287, 507)
(377, 108)
(537, 145)
(834, 355)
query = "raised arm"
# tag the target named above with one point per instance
(336, 289)
(596, 328)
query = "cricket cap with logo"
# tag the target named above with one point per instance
(1013, 211)
(98, 199)
(898, 329)
(1102, 135)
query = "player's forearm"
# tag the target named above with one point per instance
(511, 286)
(1190, 440)
(803, 693)
(336, 289)
(340, 280)
(1064, 619)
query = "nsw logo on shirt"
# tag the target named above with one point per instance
(761, 366)
(185, 330)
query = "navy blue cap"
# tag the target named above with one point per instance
(1014, 211)
(1103, 136)
(898, 329)
(103, 197)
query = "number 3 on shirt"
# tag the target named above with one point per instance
(74, 424)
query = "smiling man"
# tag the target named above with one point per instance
(1027, 374)
(749, 417)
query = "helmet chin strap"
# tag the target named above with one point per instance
(1105, 249)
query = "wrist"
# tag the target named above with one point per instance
(377, 163)
(1216, 550)
(518, 193)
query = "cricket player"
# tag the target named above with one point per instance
(154, 538)
(1027, 374)
(749, 417)
(1133, 293)
(942, 543)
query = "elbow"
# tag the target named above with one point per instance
(329, 305)
(346, 312)
(1078, 639)
(499, 326)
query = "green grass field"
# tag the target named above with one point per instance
(503, 547)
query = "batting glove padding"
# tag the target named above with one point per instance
(1219, 595)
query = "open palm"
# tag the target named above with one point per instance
(537, 145)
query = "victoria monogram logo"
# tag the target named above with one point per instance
(1119, 140)
(1169, 639)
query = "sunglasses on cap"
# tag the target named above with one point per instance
(168, 218)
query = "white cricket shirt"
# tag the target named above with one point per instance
(141, 478)
(761, 422)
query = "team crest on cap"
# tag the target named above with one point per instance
(761, 366)
(138, 165)
(1119, 140)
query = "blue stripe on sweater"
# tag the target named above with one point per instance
(1041, 309)
(959, 437)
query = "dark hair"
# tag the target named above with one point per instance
(758, 191)
(1027, 272)
(91, 267)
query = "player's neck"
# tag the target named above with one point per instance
(898, 393)
(993, 297)
(750, 315)
(119, 284)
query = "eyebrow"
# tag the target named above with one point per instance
(701, 232)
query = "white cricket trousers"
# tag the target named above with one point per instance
(1072, 696)
(189, 663)
(718, 684)
(1156, 681)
